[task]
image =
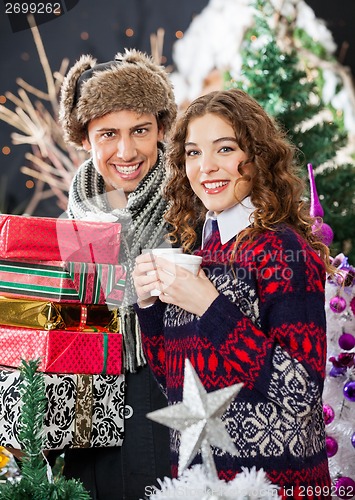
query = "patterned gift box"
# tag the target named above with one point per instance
(59, 281)
(62, 351)
(82, 410)
(46, 238)
(46, 315)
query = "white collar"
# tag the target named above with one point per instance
(230, 222)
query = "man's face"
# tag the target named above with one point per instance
(123, 145)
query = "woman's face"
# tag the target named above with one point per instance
(212, 160)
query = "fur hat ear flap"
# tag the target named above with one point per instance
(73, 129)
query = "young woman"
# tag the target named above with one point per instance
(255, 312)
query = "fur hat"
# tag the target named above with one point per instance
(132, 81)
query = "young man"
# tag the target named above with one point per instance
(120, 112)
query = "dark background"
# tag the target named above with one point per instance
(98, 27)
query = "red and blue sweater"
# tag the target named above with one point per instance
(267, 329)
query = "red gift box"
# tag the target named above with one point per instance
(46, 238)
(62, 351)
(87, 283)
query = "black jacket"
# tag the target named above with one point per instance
(129, 471)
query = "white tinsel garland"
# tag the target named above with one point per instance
(194, 485)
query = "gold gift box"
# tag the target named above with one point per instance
(48, 315)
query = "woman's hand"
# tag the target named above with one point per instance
(145, 279)
(182, 288)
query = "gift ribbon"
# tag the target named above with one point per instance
(83, 317)
(84, 401)
(105, 353)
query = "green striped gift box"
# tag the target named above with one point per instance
(59, 281)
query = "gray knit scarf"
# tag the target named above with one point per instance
(143, 226)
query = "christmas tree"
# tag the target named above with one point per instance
(35, 481)
(290, 90)
(305, 88)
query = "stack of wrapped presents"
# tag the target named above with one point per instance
(60, 286)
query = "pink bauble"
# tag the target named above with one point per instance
(352, 305)
(346, 358)
(337, 304)
(324, 232)
(345, 487)
(331, 446)
(328, 413)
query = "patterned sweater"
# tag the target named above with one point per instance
(265, 329)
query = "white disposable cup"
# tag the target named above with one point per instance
(191, 263)
(162, 250)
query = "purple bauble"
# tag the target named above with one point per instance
(337, 371)
(349, 390)
(346, 341)
(353, 440)
(337, 304)
(345, 487)
(331, 446)
(328, 413)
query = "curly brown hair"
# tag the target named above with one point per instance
(277, 187)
